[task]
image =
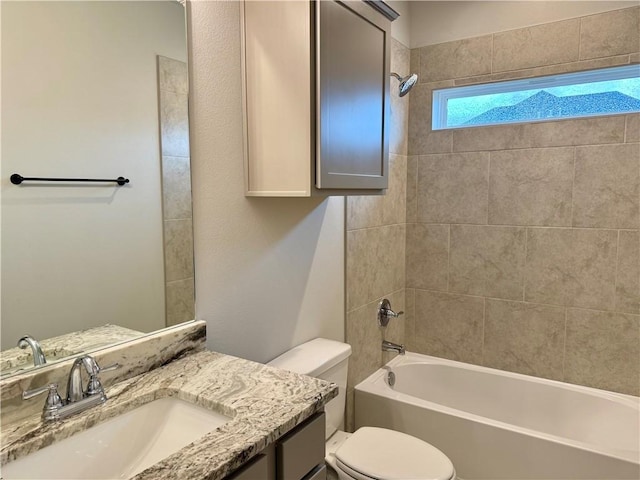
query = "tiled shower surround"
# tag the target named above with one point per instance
(522, 241)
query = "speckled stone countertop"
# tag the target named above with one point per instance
(17, 359)
(264, 402)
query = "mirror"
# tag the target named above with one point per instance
(93, 89)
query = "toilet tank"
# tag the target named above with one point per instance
(325, 359)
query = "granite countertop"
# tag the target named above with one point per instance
(264, 402)
(14, 360)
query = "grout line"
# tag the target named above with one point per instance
(626, 128)
(580, 40)
(541, 304)
(524, 276)
(615, 282)
(531, 147)
(449, 258)
(573, 185)
(564, 343)
(484, 321)
(500, 225)
(488, 185)
(493, 51)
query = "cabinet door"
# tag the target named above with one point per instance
(352, 111)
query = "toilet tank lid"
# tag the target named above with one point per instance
(313, 357)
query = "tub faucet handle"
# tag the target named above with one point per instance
(385, 313)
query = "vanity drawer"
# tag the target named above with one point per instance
(257, 468)
(302, 450)
(319, 473)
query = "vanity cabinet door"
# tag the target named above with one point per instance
(300, 452)
(352, 67)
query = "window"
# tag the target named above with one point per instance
(596, 92)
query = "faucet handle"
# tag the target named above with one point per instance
(109, 368)
(52, 388)
(53, 403)
(94, 386)
(385, 313)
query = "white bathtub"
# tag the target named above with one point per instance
(501, 425)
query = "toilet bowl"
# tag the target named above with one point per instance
(370, 453)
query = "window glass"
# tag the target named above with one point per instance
(597, 92)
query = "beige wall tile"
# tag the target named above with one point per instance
(375, 263)
(573, 267)
(632, 128)
(427, 256)
(487, 260)
(176, 187)
(614, 61)
(603, 350)
(412, 189)
(582, 131)
(178, 249)
(453, 188)
(396, 330)
(607, 187)
(634, 58)
(536, 46)
(173, 75)
(365, 337)
(180, 301)
(174, 114)
(364, 211)
(399, 122)
(394, 202)
(422, 139)
(524, 338)
(449, 326)
(414, 63)
(610, 33)
(628, 279)
(410, 319)
(531, 187)
(460, 58)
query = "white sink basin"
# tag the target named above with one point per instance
(121, 447)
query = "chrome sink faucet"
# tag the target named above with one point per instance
(78, 399)
(392, 347)
(36, 350)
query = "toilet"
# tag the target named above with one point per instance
(370, 453)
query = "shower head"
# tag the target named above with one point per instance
(406, 83)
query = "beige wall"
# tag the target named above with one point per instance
(269, 271)
(376, 249)
(523, 243)
(83, 104)
(439, 22)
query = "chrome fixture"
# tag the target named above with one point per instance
(36, 350)
(385, 313)
(391, 378)
(406, 83)
(78, 400)
(392, 347)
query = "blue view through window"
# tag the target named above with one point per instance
(596, 92)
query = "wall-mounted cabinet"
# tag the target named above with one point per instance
(316, 97)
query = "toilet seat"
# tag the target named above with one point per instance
(380, 454)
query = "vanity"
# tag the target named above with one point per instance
(271, 424)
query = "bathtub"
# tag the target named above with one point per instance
(501, 425)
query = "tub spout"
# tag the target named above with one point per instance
(392, 347)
